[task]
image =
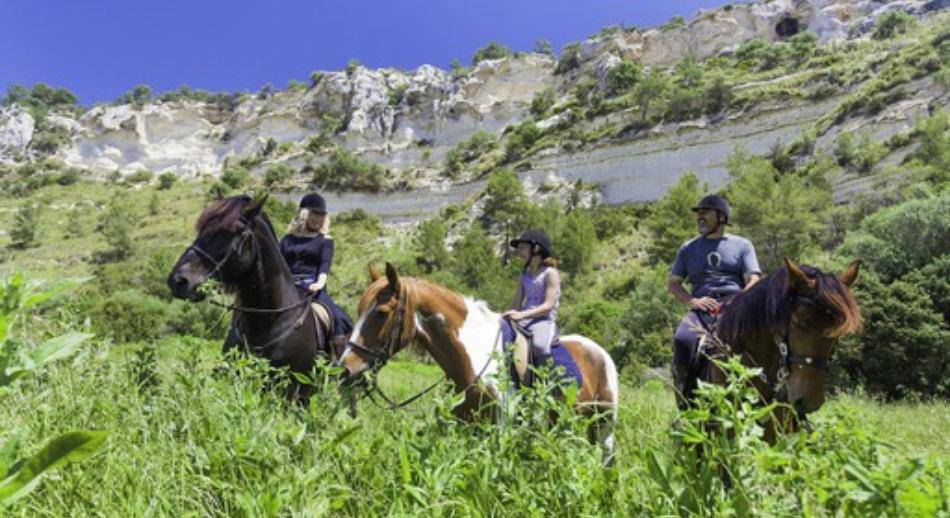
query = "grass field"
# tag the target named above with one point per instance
(191, 437)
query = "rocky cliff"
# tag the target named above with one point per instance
(408, 120)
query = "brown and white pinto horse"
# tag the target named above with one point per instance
(462, 335)
(788, 324)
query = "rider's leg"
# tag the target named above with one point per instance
(543, 333)
(684, 345)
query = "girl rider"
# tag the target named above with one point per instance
(536, 300)
(308, 250)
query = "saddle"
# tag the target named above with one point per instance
(323, 320)
(520, 360)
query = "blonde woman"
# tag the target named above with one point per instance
(308, 250)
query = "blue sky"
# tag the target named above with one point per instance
(102, 48)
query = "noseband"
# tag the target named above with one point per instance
(786, 360)
(379, 357)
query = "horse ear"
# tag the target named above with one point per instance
(374, 274)
(253, 208)
(851, 273)
(797, 279)
(392, 277)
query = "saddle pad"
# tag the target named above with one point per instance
(562, 358)
(322, 316)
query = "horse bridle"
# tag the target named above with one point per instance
(237, 244)
(379, 358)
(786, 360)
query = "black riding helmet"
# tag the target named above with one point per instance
(718, 203)
(314, 202)
(535, 237)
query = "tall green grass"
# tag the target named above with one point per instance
(193, 435)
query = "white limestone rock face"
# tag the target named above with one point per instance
(16, 131)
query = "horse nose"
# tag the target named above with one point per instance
(178, 284)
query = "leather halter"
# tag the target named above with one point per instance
(786, 360)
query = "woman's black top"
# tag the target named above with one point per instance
(309, 256)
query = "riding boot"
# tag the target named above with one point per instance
(681, 385)
(337, 343)
(539, 361)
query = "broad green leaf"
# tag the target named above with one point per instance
(59, 347)
(35, 299)
(8, 453)
(69, 447)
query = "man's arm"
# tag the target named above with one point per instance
(675, 286)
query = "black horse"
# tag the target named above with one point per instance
(237, 245)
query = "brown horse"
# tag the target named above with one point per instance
(463, 336)
(236, 244)
(787, 324)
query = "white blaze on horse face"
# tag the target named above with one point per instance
(357, 330)
(481, 338)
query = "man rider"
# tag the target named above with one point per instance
(718, 266)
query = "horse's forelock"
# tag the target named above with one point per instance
(835, 295)
(222, 215)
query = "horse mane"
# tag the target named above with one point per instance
(409, 289)
(765, 308)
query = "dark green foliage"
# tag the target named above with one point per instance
(623, 77)
(670, 221)
(140, 176)
(315, 78)
(23, 233)
(222, 100)
(40, 99)
(115, 225)
(570, 59)
(573, 242)
(397, 94)
(236, 177)
(782, 214)
(166, 180)
(648, 321)
(688, 73)
(130, 315)
(429, 245)
(48, 138)
(718, 95)
(892, 23)
(74, 227)
(475, 261)
(598, 320)
(277, 174)
(345, 170)
(521, 139)
(903, 238)
(651, 91)
(543, 46)
(934, 147)
(504, 198)
(493, 50)
(138, 96)
(479, 143)
(803, 46)
(905, 345)
(542, 102)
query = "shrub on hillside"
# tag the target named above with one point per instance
(623, 77)
(892, 23)
(277, 174)
(346, 170)
(25, 223)
(570, 59)
(521, 139)
(903, 238)
(504, 198)
(904, 346)
(429, 245)
(474, 261)
(470, 149)
(236, 177)
(115, 225)
(166, 180)
(130, 315)
(766, 202)
(670, 220)
(493, 50)
(542, 102)
(140, 176)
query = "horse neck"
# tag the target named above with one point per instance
(269, 285)
(452, 333)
